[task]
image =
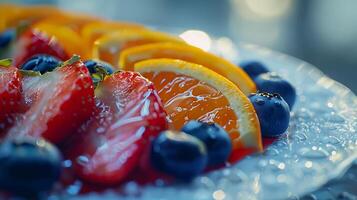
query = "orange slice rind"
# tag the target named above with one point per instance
(246, 131)
(13, 15)
(68, 38)
(109, 46)
(93, 30)
(189, 53)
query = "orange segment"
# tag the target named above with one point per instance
(185, 52)
(109, 46)
(13, 15)
(68, 38)
(92, 31)
(193, 92)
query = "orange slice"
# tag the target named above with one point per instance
(68, 38)
(13, 15)
(109, 46)
(130, 56)
(92, 31)
(193, 92)
(74, 21)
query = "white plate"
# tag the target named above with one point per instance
(320, 145)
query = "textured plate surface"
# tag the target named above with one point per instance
(320, 144)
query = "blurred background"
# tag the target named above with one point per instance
(322, 32)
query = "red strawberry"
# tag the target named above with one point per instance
(33, 42)
(130, 113)
(58, 102)
(10, 95)
(240, 153)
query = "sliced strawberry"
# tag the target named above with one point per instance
(10, 95)
(58, 103)
(130, 113)
(33, 42)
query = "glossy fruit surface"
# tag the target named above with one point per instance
(69, 39)
(92, 64)
(41, 63)
(10, 95)
(6, 37)
(193, 92)
(178, 154)
(273, 113)
(253, 68)
(109, 46)
(74, 21)
(94, 30)
(33, 43)
(57, 103)
(215, 138)
(28, 166)
(273, 83)
(129, 115)
(188, 53)
(14, 15)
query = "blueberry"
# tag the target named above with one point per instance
(91, 64)
(253, 68)
(273, 113)
(6, 37)
(28, 166)
(42, 63)
(216, 139)
(273, 83)
(178, 154)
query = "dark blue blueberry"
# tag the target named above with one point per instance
(273, 83)
(41, 63)
(178, 154)
(253, 68)
(216, 139)
(6, 37)
(91, 64)
(28, 166)
(273, 113)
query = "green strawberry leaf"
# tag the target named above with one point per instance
(73, 59)
(29, 73)
(7, 62)
(99, 75)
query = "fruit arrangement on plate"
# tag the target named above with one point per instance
(104, 102)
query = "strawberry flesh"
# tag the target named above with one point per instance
(111, 145)
(10, 95)
(34, 42)
(56, 103)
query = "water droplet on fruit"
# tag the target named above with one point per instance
(100, 130)
(67, 163)
(82, 160)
